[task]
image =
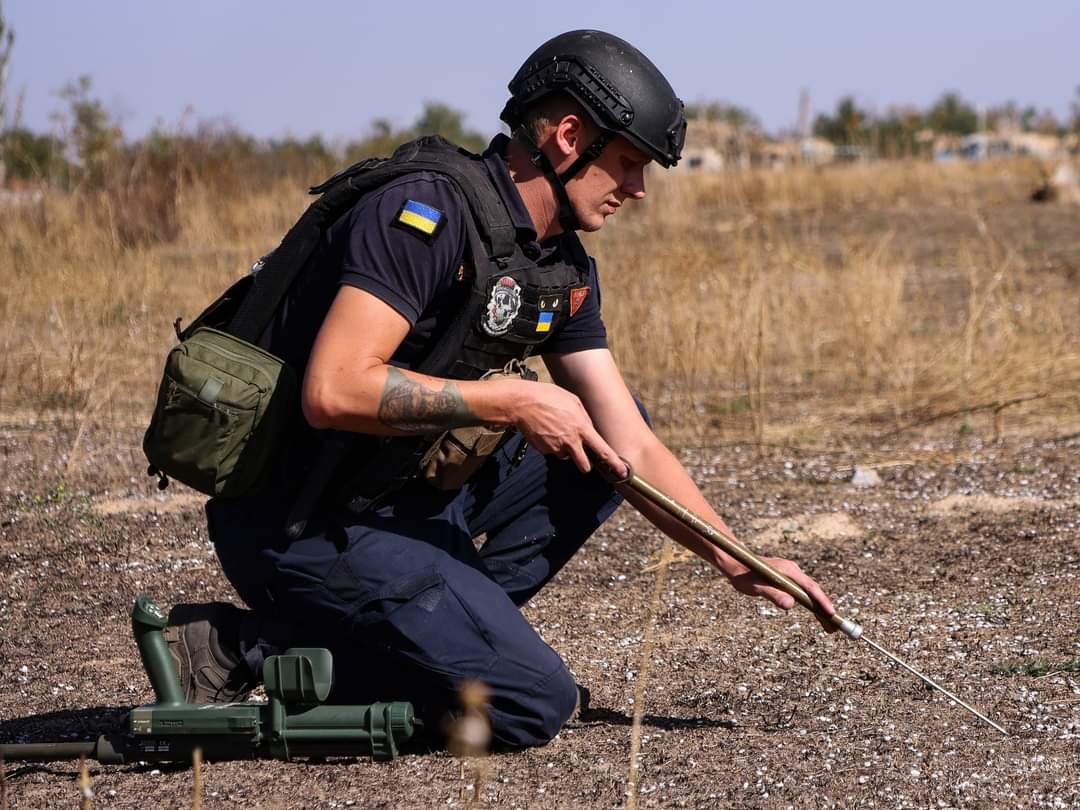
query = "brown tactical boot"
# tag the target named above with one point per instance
(204, 642)
(581, 706)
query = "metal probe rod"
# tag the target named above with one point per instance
(939, 687)
(730, 545)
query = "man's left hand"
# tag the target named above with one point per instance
(746, 581)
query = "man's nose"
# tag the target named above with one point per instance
(634, 185)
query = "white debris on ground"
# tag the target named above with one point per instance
(864, 477)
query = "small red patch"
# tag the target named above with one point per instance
(577, 298)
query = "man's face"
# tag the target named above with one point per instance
(606, 183)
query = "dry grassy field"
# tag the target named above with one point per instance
(861, 298)
(919, 320)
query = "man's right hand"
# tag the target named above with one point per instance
(350, 386)
(555, 422)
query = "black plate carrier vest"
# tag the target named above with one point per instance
(510, 306)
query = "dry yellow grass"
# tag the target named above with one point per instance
(777, 305)
(86, 319)
(804, 303)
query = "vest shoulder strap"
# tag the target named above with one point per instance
(342, 191)
(434, 154)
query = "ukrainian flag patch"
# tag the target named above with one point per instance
(420, 218)
(543, 324)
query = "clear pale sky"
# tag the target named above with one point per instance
(305, 67)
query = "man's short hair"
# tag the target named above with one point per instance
(549, 110)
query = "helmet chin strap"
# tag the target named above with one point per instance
(567, 218)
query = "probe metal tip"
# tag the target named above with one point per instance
(940, 688)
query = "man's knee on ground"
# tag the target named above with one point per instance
(522, 719)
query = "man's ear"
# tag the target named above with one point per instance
(568, 137)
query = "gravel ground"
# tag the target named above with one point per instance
(963, 560)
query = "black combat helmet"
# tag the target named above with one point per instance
(620, 88)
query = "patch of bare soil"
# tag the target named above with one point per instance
(966, 563)
(156, 504)
(974, 504)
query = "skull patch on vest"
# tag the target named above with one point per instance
(502, 307)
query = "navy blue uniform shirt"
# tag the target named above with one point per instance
(416, 276)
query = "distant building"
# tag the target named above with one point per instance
(816, 151)
(1037, 145)
(988, 145)
(701, 159)
(713, 146)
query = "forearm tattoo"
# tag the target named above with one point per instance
(412, 407)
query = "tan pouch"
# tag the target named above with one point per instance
(457, 454)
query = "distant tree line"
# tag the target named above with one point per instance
(733, 114)
(87, 148)
(902, 130)
(140, 185)
(87, 145)
(898, 130)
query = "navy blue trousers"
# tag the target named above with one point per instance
(407, 603)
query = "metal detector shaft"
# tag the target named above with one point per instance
(730, 545)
